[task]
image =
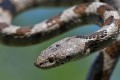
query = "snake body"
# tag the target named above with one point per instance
(107, 56)
(105, 63)
(68, 49)
(76, 47)
(23, 36)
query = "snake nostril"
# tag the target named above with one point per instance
(40, 64)
(57, 45)
(68, 57)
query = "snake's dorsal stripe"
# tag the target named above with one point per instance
(73, 48)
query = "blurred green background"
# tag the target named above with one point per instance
(16, 63)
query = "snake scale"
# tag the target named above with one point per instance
(68, 49)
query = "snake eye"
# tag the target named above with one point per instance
(51, 59)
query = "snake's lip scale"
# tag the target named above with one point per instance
(50, 66)
(43, 67)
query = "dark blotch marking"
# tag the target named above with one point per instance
(23, 31)
(108, 21)
(56, 19)
(80, 9)
(101, 10)
(53, 18)
(93, 45)
(96, 35)
(113, 50)
(107, 7)
(80, 36)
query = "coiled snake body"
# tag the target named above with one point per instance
(68, 49)
(73, 48)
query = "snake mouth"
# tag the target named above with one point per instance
(44, 65)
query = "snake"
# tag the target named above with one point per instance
(109, 55)
(76, 47)
(68, 49)
(14, 35)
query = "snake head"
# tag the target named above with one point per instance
(60, 52)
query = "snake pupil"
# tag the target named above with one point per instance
(51, 60)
